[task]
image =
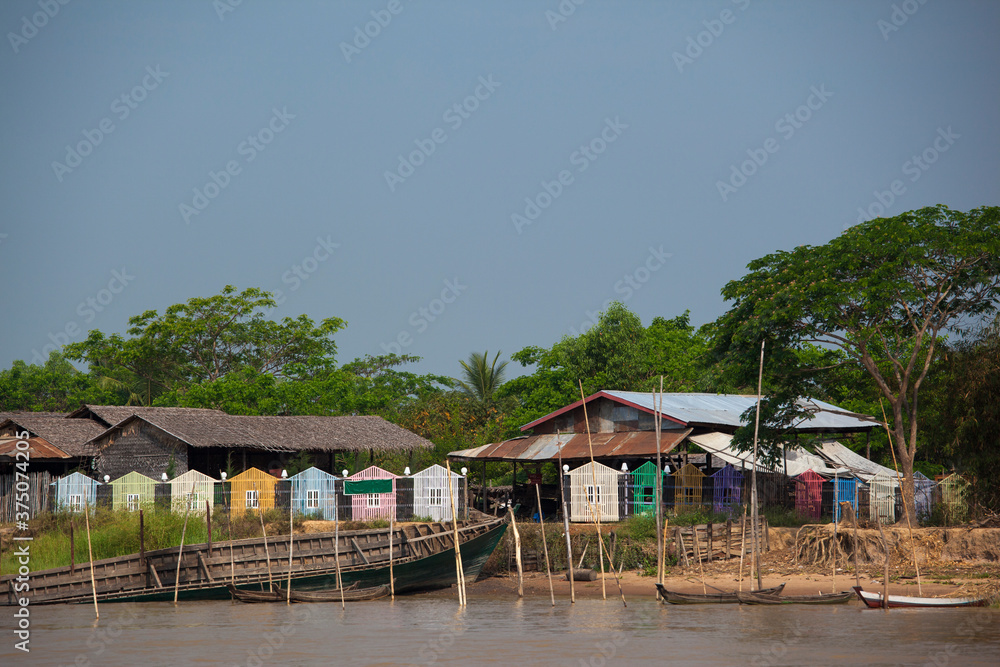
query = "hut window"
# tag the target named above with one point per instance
(312, 499)
(132, 501)
(75, 502)
(194, 501)
(435, 497)
(371, 500)
(252, 499)
(647, 494)
(594, 498)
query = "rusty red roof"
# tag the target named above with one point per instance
(38, 448)
(539, 448)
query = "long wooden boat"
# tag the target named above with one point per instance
(674, 597)
(423, 557)
(277, 594)
(350, 594)
(821, 598)
(874, 600)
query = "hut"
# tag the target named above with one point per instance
(373, 494)
(688, 484)
(132, 491)
(953, 490)
(845, 490)
(191, 490)
(430, 493)
(583, 494)
(74, 492)
(643, 481)
(728, 487)
(314, 493)
(923, 488)
(809, 494)
(882, 498)
(252, 490)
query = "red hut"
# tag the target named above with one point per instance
(809, 494)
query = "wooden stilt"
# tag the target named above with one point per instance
(743, 544)
(208, 524)
(72, 549)
(517, 554)
(569, 542)
(545, 546)
(90, 553)
(885, 574)
(756, 427)
(392, 580)
(459, 571)
(595, 511)
(263, 531)
(660, 527)
(291, 540)
(180, 549)
(336, 557)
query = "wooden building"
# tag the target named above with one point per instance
(314, 492)
(192, 490)
(430, 493)
(133, 491)
(586, 498)
(372, 493)
(74, 492)
(809, 494)
(251, 491)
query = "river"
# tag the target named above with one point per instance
(430, 629)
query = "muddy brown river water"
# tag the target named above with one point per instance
(427, 630)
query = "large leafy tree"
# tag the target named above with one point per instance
(54, 386)
(884, 294)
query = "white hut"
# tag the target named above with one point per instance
(75, 491)
(584, 495)
(882, 501)
(430, 493)
(201, 488)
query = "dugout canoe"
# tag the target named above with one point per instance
(821, 598)
(874, 600)
(423, 558)
(673, 597)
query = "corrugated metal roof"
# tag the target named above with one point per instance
(38, 448)
(797, 460)
(539, 448)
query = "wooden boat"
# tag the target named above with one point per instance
(423, 557)
(277, 594)
(821, 598)
(874, 600)
(351, 594)
(674, 597)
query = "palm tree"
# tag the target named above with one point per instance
(481, 378)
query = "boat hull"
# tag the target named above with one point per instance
(874, 601)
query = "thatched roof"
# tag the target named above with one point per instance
(109, 415)
(70, 435)
(211, 428)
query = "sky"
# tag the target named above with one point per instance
(451, 177)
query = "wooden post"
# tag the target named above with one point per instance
(208, 522)
(72, 549)
(90, 553)
(596, 512)
(569, 543)
(545, 546)
(291, 539)
(459, 571)
(336, 555)
(885, 574)
(661, 539)
(697, 555)
(180, 550)
(743, 544)
(142, 541)
(753, 492)
(392, 580)
(710, 530)
(729, 538)
(906, 508)
(663, 561)
(517, 554)
(263, 531)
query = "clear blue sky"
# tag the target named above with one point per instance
(157, 151)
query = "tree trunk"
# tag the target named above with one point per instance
(906, 455)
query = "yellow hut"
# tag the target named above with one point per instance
(688, 482)
(252, 491)
(132, 492)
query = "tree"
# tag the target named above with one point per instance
(55, 386)
(883, 293)
(482, 377)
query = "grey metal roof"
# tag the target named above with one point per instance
(725, 410)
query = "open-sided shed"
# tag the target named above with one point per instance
(75, 491)
(604, 497)
(191, 490)
(252, 490)
(373, 494)
(430, 493)
(314, 492)
(132, 491)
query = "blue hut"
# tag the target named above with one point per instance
(728, 488)
(313, 492)
(845, 490)
(75, 491)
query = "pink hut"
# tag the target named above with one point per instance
(373, 494)
(809, 494)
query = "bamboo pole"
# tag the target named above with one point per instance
(545, 546)
(267, 551)
(906, 508)
(336, 552)
(180, 549)
(663, 562)
(743, 544)
(459, 572)
(517, 554)
(392, 579)
(836, 544)
(291, 540)
(569, 543)
(885, 572)
(697, 555)
(229, 529)
(756, 427)
(90, 553)
(593, 472)
(72, 549)
(661, 532)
